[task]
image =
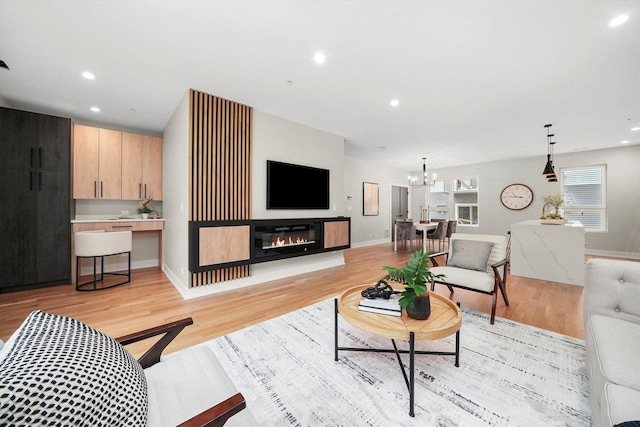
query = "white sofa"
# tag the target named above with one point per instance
(55, 370)
(611, 310)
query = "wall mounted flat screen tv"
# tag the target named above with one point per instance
(292, 186)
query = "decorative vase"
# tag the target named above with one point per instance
(421, 309)
(145, 216)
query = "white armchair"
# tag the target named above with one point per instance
(473, 263)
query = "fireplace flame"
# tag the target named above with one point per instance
(288, 241)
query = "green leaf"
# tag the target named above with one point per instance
(415, 275)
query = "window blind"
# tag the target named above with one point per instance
(584, 194)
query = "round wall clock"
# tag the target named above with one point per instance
(516, 196)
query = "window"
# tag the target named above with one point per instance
(585, 199)
(465, 200)
(439, 200)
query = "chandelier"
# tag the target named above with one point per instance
(413, 181)
(549, 172)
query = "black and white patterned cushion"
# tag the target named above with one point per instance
(469, 254)
(61, 372)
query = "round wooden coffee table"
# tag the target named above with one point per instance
(445, 320)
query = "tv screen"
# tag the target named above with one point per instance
(296, 187)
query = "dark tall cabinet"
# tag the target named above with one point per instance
(35, 229)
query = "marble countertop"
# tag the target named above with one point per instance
(537, 222)
(111, 218)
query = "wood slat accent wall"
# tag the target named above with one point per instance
(220, 168)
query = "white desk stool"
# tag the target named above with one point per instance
(99, 244)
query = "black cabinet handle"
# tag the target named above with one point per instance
(145, 191)
(140, 191)
(95, 189)
(101, 189)
(39, 157)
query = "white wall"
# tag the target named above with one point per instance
(175, 182)
(623, 236)
(368, 230)
(275, 138)
(4, 102)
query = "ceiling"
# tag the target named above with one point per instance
(476, 80)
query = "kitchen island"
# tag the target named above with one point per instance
(548, 252)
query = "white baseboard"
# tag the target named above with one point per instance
(175, 281)
(370, 243)
(613, 254)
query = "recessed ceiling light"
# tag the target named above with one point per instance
(88, 75)
(319, 58)
(394, 103)
(618, 20)
(635, 128)
(95, 109)
(624, 142)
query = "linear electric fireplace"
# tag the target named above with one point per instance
(282, 239)
(220, 244)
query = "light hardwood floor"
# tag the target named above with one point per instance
(150, 299)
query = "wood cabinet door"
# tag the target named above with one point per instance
(34, 187)
(17, 189)
(110, 164)
(53, 231)
(132, 167)
(152, 168)
(86, 142)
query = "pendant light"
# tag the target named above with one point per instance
(548, 171)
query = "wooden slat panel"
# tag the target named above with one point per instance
(220, 168)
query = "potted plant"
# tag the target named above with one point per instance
(551, 212)
(415, 276)
(145, 211)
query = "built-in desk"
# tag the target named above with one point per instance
(548, 252)
(134, 225)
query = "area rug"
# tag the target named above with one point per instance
(510, 374)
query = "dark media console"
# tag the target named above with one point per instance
(221, 244)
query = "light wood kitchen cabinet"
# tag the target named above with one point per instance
(141, 167)
(97, 163)
(109, 164)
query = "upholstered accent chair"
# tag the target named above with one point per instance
(56, 370)
(473, 262)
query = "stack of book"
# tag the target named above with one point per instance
(390, 306)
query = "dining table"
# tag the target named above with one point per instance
(423, 226)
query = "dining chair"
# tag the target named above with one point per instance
(406, 231)
(439, 234)
(451, 228)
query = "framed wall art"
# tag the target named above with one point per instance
(370, 199)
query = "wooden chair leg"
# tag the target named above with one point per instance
(493, 307)
(503, 290)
